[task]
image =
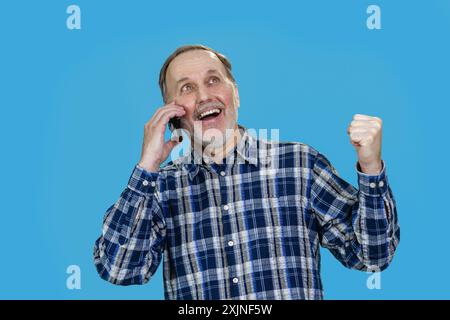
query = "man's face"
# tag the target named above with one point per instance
(197, 81)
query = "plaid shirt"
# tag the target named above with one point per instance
(250, 228)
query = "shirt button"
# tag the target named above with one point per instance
(381, 184)
(230, 243)
(372, 185)
(145, 183)
(225, 207)
(153, 184)
(222, 173)
(235, 280)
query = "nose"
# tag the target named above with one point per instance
(203, 95)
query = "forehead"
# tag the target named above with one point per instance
(194, 62)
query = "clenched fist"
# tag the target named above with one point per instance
(365, 136)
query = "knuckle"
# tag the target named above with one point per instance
(377, 125)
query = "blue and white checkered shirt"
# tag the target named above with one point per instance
(250, 228)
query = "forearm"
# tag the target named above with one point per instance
(375, 220)
(127, 252)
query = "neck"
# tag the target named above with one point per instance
(217, 154)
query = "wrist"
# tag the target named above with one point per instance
(371, 168)
(149, 166)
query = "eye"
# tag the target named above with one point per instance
(213, 80)
(186, 88)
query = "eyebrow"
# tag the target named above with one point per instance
(210, 71)
(182, 80)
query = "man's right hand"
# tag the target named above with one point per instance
(154, 149)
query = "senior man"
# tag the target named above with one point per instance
(240, 217)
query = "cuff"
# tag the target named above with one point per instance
(143, 181)
(372, 185)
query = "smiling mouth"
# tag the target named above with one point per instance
(209, 114)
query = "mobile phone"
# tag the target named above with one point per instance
(174, 123)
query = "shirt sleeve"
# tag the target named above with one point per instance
(130, 247)
(359, 227)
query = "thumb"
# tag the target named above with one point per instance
(172, 143)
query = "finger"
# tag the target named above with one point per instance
(361, 117)
(361, 138)
(366, 141)
(357, 136)
(165, 117)
(169, 145)
(165, 109)
(356, 144)
(361, 130)
(358, 123)
(161, 123)
(168, 107)
(351, 128)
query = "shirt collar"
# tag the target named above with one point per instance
(245, 152)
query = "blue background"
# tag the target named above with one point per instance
(74, 102)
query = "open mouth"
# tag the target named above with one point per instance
(209, 114)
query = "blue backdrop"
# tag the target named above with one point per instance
(74, 102)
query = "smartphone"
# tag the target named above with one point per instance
(174, 123)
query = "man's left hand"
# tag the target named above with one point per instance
(365, 136)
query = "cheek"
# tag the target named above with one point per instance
(226, 95)
(228, 100)
(186, 101)
(188, 104)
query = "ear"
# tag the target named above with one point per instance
(236, 91)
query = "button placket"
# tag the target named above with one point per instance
(222, 172)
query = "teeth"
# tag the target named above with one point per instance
(207, 113)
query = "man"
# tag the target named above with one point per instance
(241, 217)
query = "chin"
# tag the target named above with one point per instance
(213, 140)
(214, 135)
